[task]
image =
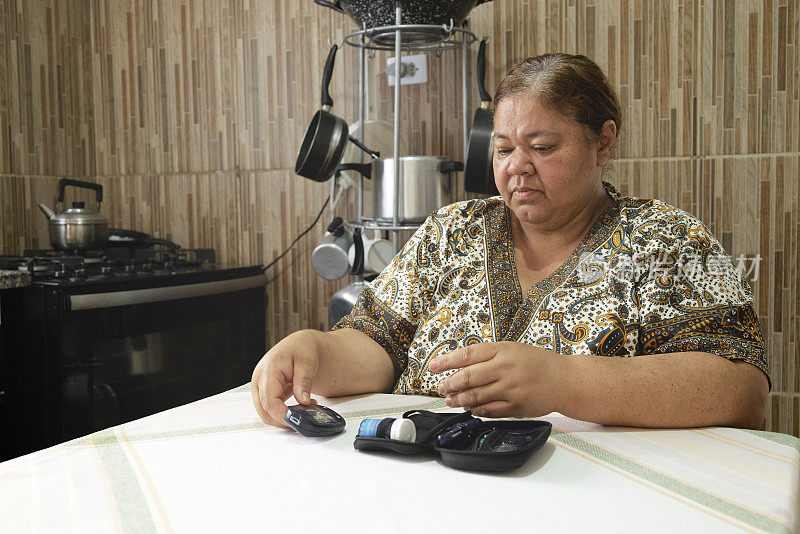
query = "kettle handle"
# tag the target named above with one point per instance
(64, 182)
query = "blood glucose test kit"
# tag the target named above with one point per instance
(462, 441)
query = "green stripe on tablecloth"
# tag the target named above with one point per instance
(133, 509)
(436, 404)
(775, 437)
(107, 437)
(671, 484)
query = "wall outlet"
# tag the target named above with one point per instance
(413, 69)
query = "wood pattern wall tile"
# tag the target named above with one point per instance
(45, 91)
(196, 86)
(751, 59)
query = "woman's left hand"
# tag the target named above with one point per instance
(503, 379)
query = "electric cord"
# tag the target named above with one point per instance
(296, 239)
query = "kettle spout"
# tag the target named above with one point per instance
(50, 214)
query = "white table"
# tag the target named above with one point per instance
(212, 466)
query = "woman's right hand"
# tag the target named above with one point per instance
(287, 369)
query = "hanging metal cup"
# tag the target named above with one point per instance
(329, 258)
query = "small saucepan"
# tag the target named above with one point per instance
(326, 136)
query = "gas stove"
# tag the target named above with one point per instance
(52, 267)
(105, 337)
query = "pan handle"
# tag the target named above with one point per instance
(374, 154)
(326, 78)
(364, 169)
(336, 7)
(447, 166)
(485, 97)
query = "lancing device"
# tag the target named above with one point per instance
(314, 420)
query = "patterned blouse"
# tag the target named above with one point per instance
(647, 278)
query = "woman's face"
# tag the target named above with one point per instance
(545, 168)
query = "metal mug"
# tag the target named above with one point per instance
(330, 257)
(378, 252)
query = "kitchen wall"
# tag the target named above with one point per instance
(190, 114)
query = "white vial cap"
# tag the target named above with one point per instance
(403, 430)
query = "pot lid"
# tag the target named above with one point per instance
(78, 214)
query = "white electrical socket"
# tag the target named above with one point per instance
(414, 69)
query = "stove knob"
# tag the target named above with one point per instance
(60, 273)
(130, 268)
(80, 272)
(106, 269)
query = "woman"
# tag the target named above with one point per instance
(535, 301)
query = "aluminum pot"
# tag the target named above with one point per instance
(343, 301)
(426, 184)
(369, 14)
(77, 228)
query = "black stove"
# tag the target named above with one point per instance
(104, 337)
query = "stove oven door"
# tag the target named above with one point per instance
(115, 356)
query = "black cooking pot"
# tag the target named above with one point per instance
(377, 13)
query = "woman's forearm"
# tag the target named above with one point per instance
(685, 389)
(350, 363)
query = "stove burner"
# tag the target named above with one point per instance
(114, 262)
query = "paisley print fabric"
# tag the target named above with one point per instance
(647, 278)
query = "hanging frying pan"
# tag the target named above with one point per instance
(478, 174)
(326, 136)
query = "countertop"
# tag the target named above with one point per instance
(12, 279)
(213, 466)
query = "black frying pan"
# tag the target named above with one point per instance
(134, 239)
(326, 136)
(478, 174)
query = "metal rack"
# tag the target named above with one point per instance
(444, 37)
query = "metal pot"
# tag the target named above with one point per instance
(77, 228)
(369, 14)
(426, 184)
(343, 301)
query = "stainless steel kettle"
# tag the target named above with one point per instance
(77, 228)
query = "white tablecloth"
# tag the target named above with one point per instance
(212, 466)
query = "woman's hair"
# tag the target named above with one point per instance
(572, 85)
